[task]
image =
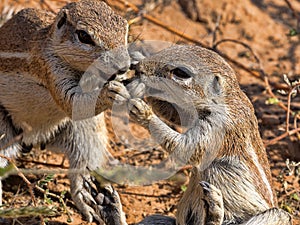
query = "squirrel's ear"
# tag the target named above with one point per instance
(61, 19)
(216, 84)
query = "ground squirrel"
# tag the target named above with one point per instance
(43, 57)
(222, 140)
(230, 182)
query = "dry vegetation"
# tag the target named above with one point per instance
(260, 38)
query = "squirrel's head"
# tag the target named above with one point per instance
(190, 80)
(83, 31)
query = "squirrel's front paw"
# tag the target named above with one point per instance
(136, 88)
(114, 92)
(140, 111)
(97, 202)
(214, 199)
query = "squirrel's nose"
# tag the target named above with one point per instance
(123, 70)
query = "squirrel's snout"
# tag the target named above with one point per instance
(123, 69)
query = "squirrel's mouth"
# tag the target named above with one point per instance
(166, 110)
(172, 113)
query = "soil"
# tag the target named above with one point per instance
(268, 27)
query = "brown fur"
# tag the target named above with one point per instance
(42, 68)
(225, 124)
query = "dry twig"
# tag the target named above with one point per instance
(31, 186)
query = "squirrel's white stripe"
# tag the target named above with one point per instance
(14, 55)
(262, 173)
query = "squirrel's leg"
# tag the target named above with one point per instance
(9, 147)
(272, 216)
(214, 203)
(215, 208)
(84, 142)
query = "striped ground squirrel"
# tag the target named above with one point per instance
(231, 178)
(43, 57)
(230, 181)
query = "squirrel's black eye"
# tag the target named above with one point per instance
(85, 38)
(181, 73)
